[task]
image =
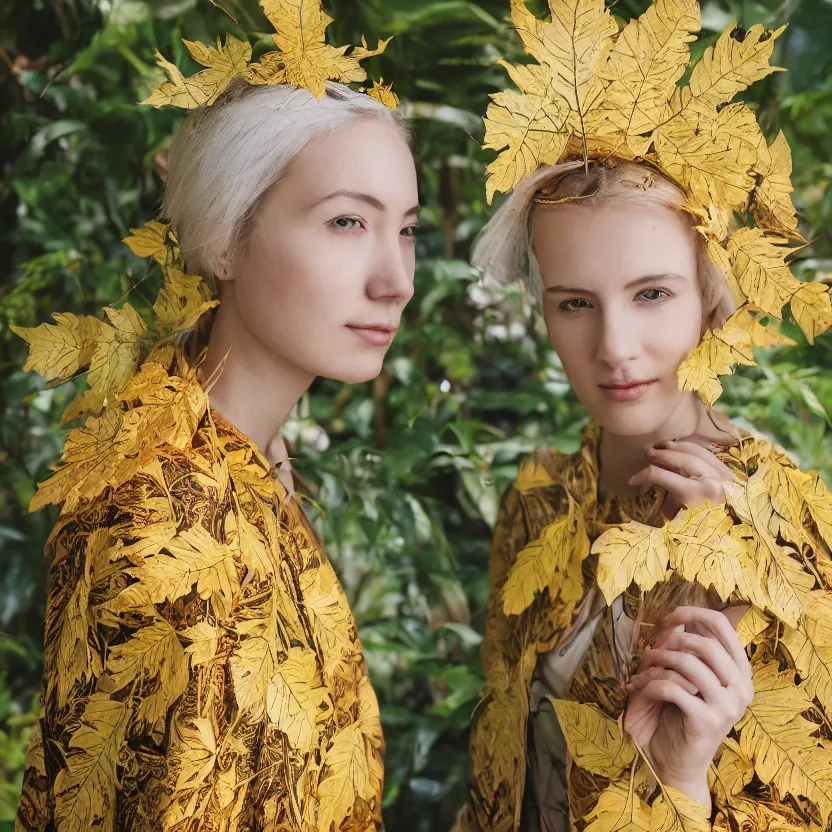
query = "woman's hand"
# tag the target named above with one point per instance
(687, 470)
(691, 689)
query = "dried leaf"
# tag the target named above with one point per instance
(674, 811)
(384, 94)
(596, 742)
(619, 809)
(812, 309)
(532, 475)
(632, 552)
(182, 301)
(205, 638)
(60, 350)
(346, 778)
(154, 239)
(773, 206)
(117, 351)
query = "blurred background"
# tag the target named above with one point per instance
(410, 467)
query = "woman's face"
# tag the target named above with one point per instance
(623, 307)
(329, 267)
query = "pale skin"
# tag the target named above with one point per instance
(622, 316)
(321, 286)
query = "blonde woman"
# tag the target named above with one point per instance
(202, 666)
(660, 599)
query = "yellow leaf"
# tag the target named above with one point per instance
(715, 355)
(810, 646)
(154, 239)
(730, 66)
(733, 773)
(83, 405)
(60, 350)
(304, 58)
(596, 742)
(199, 745)
(384, 94)
(532, 475)
(545, 562)
(531, 129)
(252, 667)
(631, 552)
(205, 638)
(347, 777)
(818, 500)
(253, 548)
(330, 616)
(223, 63)
(573, 47)
(773, 206)
(812, 309)
(753, 622)
(645, 63)
(146, 541)
(619, 809)
(117, 351)
(294, 697)
(761, 271)
(674, 811)
(778, 739)
(181, 301)
(85, 791)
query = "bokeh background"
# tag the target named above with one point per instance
(410, 467)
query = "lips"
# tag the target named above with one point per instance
(627, 391)
(379, 335)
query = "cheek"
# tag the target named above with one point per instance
(679, 331)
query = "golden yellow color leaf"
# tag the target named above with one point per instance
(645, 63)
(632, 552)
(619, 809)
(733, 773)
(245, 537)
(330, 614)
(818, 500)
(200, 758)
(773, 205)
(533, 131)
(83, 405)
(596, 742)
(545, 563)
(812, 309)
(730, 66)
(347, 776)
(532, 475)
(204, 640)
(85, 790)
(778, 739)
(573, 47)
(674, 811)
(753, 622)
(181, 301)
(761, 271)
(703, 550)
(154, 239)
(715, 355)
(384, 94)
(117, 351)
(294, 696)
(304, 58)
(60, 350)
(222, 63)
(810, 646)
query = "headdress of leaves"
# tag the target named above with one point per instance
(598, 93)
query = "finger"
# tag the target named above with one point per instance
(657, 674)
(687, 491)
(716, 623)
(691, 706)
(703, 453)
(708, 650)
(691, 667)
(682, 463)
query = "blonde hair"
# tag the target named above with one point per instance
(226, 157)
(503, 249)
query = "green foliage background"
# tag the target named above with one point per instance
(416, 461)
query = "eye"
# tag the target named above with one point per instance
(346, 223)
(574, 304)
(653, 294)
(409, 232)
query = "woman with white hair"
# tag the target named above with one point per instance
(202, 666)
(656, 636)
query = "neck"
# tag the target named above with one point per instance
(623, 456)
(251, 387)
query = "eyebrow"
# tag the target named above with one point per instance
(633, 284)
(358, 196)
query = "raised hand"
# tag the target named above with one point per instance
(691, 688)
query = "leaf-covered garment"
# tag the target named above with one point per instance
(202, 666)
(558, 551)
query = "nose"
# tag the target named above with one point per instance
(618, 337)
(392, 275)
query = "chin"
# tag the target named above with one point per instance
(354, 372)
(637, 419)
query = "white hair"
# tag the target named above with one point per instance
(226, 157)
(503, 249)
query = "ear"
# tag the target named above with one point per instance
(222, 268)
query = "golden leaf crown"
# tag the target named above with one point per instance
(596, 93)
(110, 350)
